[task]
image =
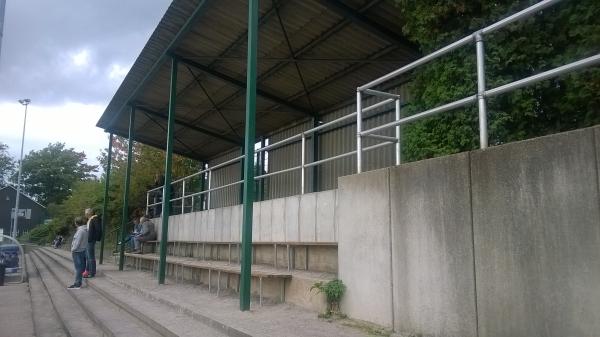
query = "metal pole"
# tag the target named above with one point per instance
(261, 182)
(398, 144)
(302, 163)
(15, 231)
(202, 186)
(483, 132)
(246, 265)
(166, 202)
(358, 131)
(209, 186)
(183, 198)
(241, 196)
(125, 214)
(105, 203)
(315, 157)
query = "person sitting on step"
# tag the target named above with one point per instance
(137, 229)
(148, 233)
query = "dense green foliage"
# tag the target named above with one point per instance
(61, 177)
(50, 173)
(6, 164)
(85, 194)
(561, 34)
(333, 290)
(40, 235)
(147, 163)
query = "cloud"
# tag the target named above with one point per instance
(68, 57)
(117, 72)
(71, 123)
(67, 50)
(81, 58)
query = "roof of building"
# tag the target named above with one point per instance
(23, 194)
(312, 56)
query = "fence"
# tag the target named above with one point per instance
(388, 99)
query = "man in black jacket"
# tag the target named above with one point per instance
(94, 227)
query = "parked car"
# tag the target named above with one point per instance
(9, 256)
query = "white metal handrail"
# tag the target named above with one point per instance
(482, 93)
(389, 98)
(300, 136)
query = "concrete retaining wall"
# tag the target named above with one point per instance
(308, 218)
(498, 242)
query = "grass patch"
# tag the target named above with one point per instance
(370, 329)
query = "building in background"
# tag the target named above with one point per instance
(30, 212)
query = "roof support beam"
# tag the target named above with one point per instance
(165, 130)
(301, 51)
(156, 66)
(153, 143)
(241, 38)
(242, 85)
(192, 127)
(369, 25)
(340, 74)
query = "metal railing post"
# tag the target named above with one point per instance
(183, 198)
(209, 187)
(261, 183)
(203, 177)
(358, 131)
(302, 163)
(147, 202)
(398, 143)
(483, 131)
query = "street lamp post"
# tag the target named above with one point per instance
(24, 102)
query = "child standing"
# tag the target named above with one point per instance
(78, 247)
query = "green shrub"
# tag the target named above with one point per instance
(40, 234)
(333, 290)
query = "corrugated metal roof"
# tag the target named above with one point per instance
(334, 46)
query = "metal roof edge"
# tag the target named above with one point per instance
(185, 28)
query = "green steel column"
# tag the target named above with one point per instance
(245, 279)
(125, 214)
(104, 205)
(315, 155)
(166, 199)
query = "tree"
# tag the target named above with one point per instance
(50, 173)
(147, 162)
(7, 164)
(563, 33)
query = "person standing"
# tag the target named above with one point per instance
(94, 228)
(78, 250)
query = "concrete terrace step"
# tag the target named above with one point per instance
(155, 316)
(257, 270)
(45, 318)
(196, 302)
(15, 311)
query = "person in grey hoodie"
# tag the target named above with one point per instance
(78, 247)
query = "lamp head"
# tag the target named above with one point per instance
(25, 101)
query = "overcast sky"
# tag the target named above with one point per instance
(68, 57)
